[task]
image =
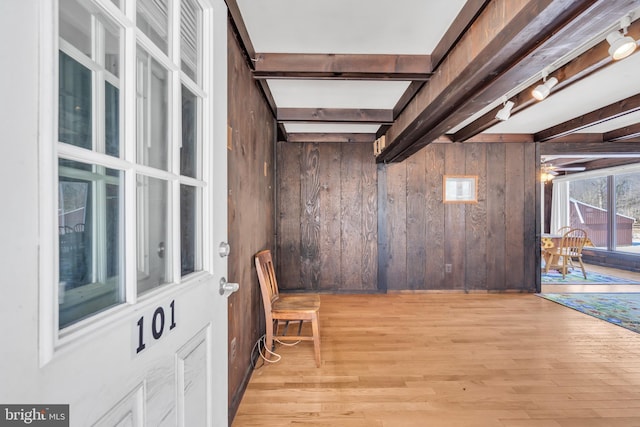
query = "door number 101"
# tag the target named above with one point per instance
(157, 325)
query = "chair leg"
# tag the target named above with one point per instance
(584, 272)
(316, 338)
(268, 340)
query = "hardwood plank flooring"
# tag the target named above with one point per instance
(577, 287)
(451, 359)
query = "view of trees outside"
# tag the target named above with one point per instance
(593, 192)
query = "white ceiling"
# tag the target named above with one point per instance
(405, 27)
(348, 26)
(614, 83)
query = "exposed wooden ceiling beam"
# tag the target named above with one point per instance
(595, 59)
(611, 162)
(241, 30)
(341, 66)
(575, 148)
(458, 27)
(602, 115)
(623, 134)
(334, 115)
(509, 41)
(502, 137)
(331, 137)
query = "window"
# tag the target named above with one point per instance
(606, 204)
(627, 202)
(119, 137)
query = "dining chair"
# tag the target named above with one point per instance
(282, 309)
(568, 251)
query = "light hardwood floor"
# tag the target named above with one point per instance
(507, 360)
(577, 287)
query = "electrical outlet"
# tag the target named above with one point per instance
(447, 268)
(232, 350)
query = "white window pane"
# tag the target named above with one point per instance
(75, 25)
(189, 159)
(112, 120)
(588, 208)
(189, 44)
(75, 101)
(152, 19)
(111, 49)
(628, 212)
(190, 246)
(152, 112)
(153, 233)
(90, 207)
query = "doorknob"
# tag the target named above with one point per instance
(227, 288)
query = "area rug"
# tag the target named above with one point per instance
(575, 276)
(622, 309)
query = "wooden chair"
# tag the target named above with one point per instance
(570, 249)
(280, 310)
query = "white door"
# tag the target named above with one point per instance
(119, 349)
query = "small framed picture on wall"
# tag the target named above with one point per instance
(460, 189)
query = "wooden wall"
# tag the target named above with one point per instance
(328, 206)
(327, 217)
(251, 213)
(490, 245)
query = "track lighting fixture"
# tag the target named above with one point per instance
(505, 112)
(542, 91)
(621, 45)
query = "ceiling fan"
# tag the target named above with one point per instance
(555, 170)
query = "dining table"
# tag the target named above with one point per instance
(549, 241)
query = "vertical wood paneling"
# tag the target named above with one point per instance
(515, 204)
(328, 205)
(496, 217)
(531, 212)
(369, 219)
(416, 221)
(310, 217)
(455, 224)
(384, 239)
(476, 221)
(330, 246)
(395, 223)
(435, 225)
(351, 218)
(362, 227)
(289, 207)
(250, 211)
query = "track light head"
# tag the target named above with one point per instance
(542, 91)
(620, 46)
(505, 112)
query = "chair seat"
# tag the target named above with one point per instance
(296, 302)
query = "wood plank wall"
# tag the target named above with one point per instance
(327, 209)
(327, 217)
(251, 212)
(490, 245)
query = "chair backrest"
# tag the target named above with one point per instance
(574, 240)
(267, 279)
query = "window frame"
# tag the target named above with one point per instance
(53, 339)
(610, 174)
